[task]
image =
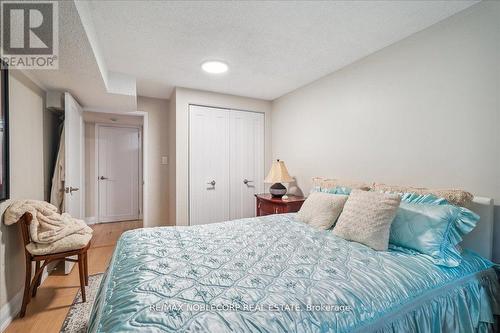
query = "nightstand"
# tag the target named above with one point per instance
(267, 205)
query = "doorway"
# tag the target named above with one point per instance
(114, 167)
(118, 159)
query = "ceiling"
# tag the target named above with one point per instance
(78, 72)
(272, 47)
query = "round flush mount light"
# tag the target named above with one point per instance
(214, 67)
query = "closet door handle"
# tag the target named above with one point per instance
(211, 183)
(103, 178)
(246, 181)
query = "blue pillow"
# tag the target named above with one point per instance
(333, 190)
(431, 226)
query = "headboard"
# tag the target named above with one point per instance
(480, 240)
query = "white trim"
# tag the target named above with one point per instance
(224, 108)
(121, 219)
(229, 109)
(68, 265)
(119, 112)
(91, 220)
(11, 309)
(96, 173)
(145, 168)
(82, 166)
(145, 161)
(141, 176)
(140, 169)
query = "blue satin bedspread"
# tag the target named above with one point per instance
(275, 274)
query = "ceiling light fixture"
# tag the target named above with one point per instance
(214, 67)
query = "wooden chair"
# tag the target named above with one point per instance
(30, 286)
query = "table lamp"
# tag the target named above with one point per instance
(277, 175)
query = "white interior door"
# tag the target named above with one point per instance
(118, 173)
(247, 162)
(73, 162)
(73, 141)
(208, 165)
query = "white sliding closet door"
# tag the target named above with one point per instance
(247, 161)
(226, 163)
(208, 165)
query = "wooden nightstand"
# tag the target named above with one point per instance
(267, 205)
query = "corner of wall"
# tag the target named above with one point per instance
(172, 219)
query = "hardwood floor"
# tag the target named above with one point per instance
(47, 311)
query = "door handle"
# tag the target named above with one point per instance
(246, 181)
(71, 189)
(211, 183)
(103, 178)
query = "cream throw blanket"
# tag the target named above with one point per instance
(48, 228)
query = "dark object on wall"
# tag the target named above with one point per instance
(4, 133)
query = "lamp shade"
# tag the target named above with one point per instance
(278, 173)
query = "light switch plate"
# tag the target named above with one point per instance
(164, 160)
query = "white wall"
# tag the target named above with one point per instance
(157, 146)
(26, 181)
(172, 212)
(90, 176)
(424, 111)
(184, 97)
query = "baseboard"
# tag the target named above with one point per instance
(68, 265)
(118, 219)
(10, 310)
(91, 220)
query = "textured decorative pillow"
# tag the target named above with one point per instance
(321, 210)
(431, 226)
(367, 217)
(324, 183)
(456, 197)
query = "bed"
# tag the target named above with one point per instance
(275, 274)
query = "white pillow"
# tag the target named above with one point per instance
(321, 210)
(367, 218)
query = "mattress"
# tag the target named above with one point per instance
(276, 274)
